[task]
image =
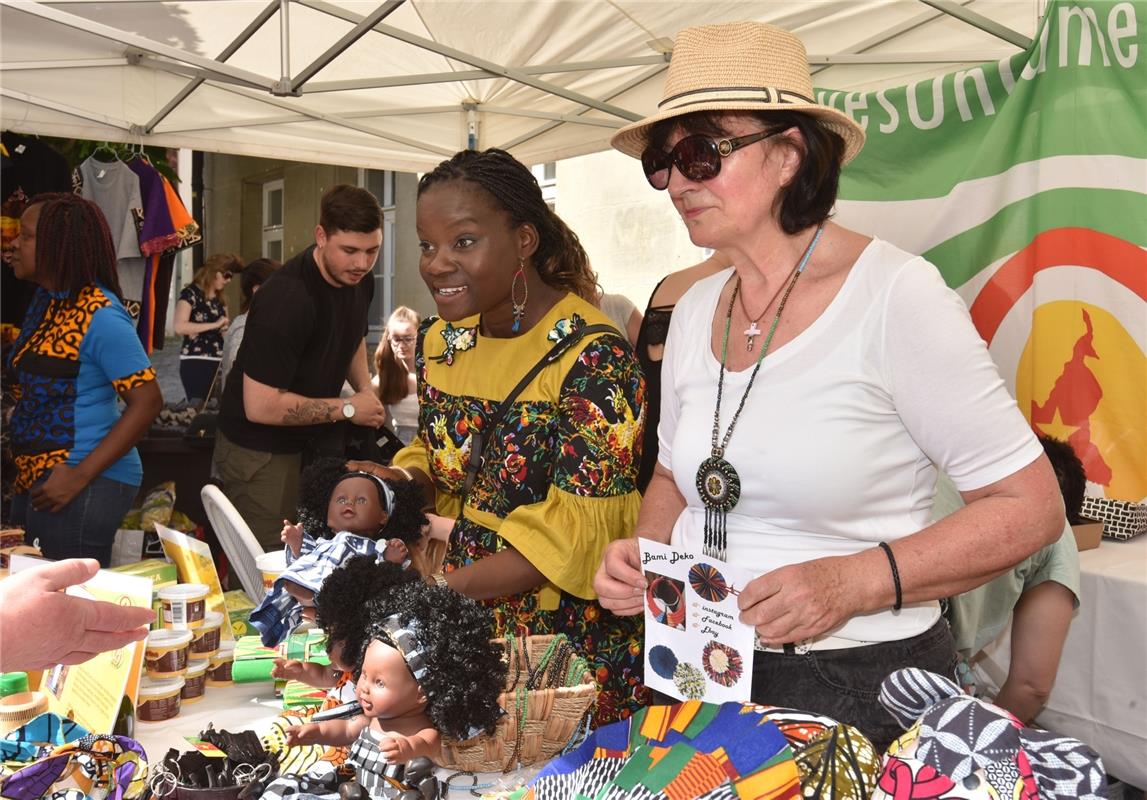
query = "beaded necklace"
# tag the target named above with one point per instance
(717, 481)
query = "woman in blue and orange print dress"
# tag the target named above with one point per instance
(559, 480)
(77, 355)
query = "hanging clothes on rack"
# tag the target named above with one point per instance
(166, 228)
(115, 189)
(30, 167)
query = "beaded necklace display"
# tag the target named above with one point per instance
(717, 481)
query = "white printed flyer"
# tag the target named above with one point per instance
(696, 648)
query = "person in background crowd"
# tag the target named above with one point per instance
(79, 629)
(622, 313)
(76, 357)
(250, 279)
(304, 336)
(201, 319)
(394, 372)
(510, 279)
(1039, 596)
(807, 393)
(650, 346)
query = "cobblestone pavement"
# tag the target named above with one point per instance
(166, 365)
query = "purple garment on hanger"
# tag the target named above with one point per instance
(157, 233)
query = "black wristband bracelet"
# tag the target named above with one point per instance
(895, 574)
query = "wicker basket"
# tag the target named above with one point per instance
(539, 723)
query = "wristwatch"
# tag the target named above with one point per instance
(348, 410)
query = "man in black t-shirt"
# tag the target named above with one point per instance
(304, 337)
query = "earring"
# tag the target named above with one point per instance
(519, 308)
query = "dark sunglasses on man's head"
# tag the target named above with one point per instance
(697, 157)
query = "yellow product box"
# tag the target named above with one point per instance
(162, 573)
(239, 608)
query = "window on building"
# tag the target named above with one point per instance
(547, 175)
(381, 183)
(273, 220)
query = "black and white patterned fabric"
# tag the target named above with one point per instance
(907, 693)
(377, 775)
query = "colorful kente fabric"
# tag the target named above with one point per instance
(676, 752)
(559, 480)
(68, 359)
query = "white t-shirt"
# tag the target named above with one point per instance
(837, 440)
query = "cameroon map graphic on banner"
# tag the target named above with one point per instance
(1025, 183)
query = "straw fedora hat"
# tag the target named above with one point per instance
(738, 66)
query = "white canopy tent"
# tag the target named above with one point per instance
(403, 83)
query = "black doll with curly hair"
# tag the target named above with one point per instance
(344, 514)
(427, 669)
(317, 485)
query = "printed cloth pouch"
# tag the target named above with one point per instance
(958, 746)
(99, 765)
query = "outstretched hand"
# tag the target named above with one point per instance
(77, 629)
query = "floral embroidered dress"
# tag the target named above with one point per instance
(559, 481)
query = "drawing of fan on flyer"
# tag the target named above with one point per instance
(696, 648)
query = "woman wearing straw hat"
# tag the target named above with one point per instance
(798, 437)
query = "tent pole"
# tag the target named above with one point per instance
(230, 50)
(981, 22)
(356, 33)
(284, 47)
(467, 58)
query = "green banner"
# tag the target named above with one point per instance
(1025, 182)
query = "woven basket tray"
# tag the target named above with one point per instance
(550, 719)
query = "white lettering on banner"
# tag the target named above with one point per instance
(1085, 16)
(1039, 63)
(893, 113)
(937, 106)
(857, 101)
(981, 83)
(1119, 29)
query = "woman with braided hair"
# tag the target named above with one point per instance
(77, 355)
(559, 464)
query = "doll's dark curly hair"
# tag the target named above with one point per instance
(465, 671)
(319, 480)
(341, 606)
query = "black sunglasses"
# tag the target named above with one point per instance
(697, 157)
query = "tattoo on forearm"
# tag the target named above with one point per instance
(309, 412)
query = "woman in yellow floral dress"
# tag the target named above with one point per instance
(560, 468)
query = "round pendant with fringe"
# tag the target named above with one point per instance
(718, 484)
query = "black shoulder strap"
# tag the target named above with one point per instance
(478, 439)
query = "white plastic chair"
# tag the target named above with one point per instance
(240, 545)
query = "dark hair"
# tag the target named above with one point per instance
(341, 609)
(465, 673)
(809, 197)
(349, 208)
(74, 247)
(252, 277)
(1069, 473)
(560, 259)
(319, 480)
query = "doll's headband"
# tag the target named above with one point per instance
(406, 641)
(385, 493)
